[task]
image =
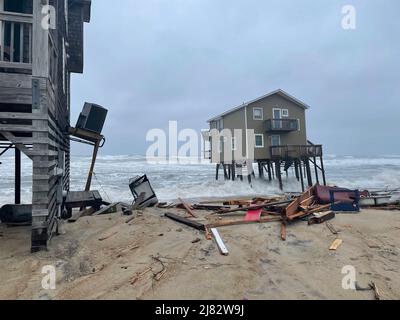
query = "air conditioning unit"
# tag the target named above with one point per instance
(92, 118)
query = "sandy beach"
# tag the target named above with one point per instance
(152, 257)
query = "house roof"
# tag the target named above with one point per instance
(279, 91)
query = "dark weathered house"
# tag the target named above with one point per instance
(273, 133)
(41, 45)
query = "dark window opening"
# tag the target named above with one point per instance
(20, 6)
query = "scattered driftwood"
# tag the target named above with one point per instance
(187, 222)
(336, 244)
(221, 245)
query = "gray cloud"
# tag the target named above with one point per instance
(151, 61)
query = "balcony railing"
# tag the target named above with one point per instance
(15, 41)
(296, 151)
(281, 125)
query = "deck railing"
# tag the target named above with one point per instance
(296, 151)
(281, 125)
(15, 40)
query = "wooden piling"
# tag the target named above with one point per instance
(279, 174)
(316, 170)
(308, 170)
(323, 170)
(17, 176)
(301, 175)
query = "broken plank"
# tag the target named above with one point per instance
(242, 222)
(221, 245)
(336, 244)
(321, 218)
(107, 209)
(187, 207)
(190, 223)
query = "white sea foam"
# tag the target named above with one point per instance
(171, 181)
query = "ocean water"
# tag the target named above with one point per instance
(171, 181)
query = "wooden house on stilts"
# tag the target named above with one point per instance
(41, 45)
(270, 132)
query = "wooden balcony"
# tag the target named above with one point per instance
(15, 42)
(281, 125)
(296, 151)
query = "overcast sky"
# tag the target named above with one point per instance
(151, 61)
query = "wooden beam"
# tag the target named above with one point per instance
(17, 176)
(187, 207)
(190, 223)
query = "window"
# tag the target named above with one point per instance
(219, 124)
(275, 140)
(259, 141)
(258, 114)
(234, 146)
(285, 113)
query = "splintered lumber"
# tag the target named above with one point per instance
(242, 222)
(336, 244)
(293, 208)
(187, 207)
(253, 207)
(319, 218)
(307, 202)
(221, 245)
(189, 223)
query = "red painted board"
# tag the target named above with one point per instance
(253, 215)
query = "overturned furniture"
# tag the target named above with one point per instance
(142, 191)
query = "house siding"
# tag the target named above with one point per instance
(236, 120)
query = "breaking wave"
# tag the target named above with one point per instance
(197, 180)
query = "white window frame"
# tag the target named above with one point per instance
(298, 125)
(285, 113)
(255, 141)
(280, 140)
(262, 114)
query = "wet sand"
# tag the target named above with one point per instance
(152, 257)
